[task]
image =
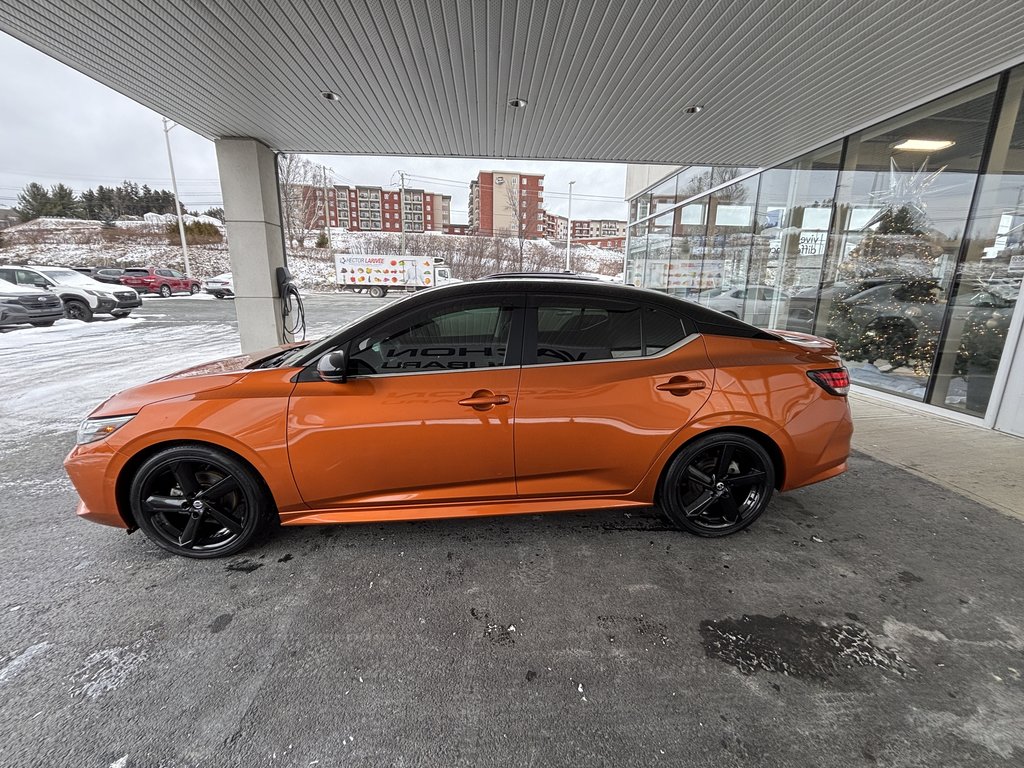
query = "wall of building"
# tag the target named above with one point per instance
(903, 242)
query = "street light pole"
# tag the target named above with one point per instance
(401, 209)
(568, 234)
(177, 200)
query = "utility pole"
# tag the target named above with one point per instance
(401, 209)
(327, 220)
(177, 200)
(568, 234)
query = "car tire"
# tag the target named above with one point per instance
(47, 324)
(731, 314)
(717, 484)
(219, 295)
(199, 502)
(378, 292)
(193, 289)
(121, 313)
(76, 309)
(165, 291)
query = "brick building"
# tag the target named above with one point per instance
(374, 209)
(503, 203)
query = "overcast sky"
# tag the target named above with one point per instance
(59, 125)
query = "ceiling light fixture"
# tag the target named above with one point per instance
(330, 95)
(694, 109)
(923, 145)
(517, 103)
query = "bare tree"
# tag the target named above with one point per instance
(299, 207)
(525, 213)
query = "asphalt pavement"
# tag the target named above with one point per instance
(873, 620)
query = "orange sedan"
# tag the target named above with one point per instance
(500, 396)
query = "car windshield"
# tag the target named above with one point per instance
(69, 277)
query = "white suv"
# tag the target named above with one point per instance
(83, 297)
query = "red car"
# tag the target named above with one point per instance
(160, 280)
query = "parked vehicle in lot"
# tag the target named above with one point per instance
(110, 275)
(498, 396)
(222, 286)
(159, 280)
(20, 304)
(376, 274)
(752, 303)
(83, 297)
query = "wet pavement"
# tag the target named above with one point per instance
(873, 620)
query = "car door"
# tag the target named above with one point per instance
(605, 386)
(181, 283)
(425, 416)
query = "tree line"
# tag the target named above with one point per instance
(100, 204)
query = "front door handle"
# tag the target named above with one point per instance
(484, 400)
(680, 385)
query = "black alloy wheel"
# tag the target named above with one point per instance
(165, 291)
(718, 484)
(199, 502)
(74, 309)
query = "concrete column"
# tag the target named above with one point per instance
(252, 212)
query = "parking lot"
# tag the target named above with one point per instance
(876, 619)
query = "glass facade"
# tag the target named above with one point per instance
(903, 242)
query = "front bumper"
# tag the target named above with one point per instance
(91, 468)
(127, 299)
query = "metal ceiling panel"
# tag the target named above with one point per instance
(604, 79)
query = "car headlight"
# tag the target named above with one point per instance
(91, 430)
(97, 294)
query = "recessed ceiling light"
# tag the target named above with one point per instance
(330, 95)
(517, 103)
(923, 145)
(694, 109)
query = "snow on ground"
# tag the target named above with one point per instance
(52, 377)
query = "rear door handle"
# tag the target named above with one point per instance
(484, 400)
(681, 385)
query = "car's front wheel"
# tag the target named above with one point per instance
(718, 484)
(74, 309)
(199, 502)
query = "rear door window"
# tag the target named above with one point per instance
(662, 330)
(576, 330)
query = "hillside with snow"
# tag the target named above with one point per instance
(80, 242)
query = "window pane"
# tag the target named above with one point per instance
(570, 332)
(902, 207)
(436, 339)
(661, 330)
(987, 284)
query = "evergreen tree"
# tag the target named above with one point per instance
(63, 202)
(89, 209)
(217, 213)
(33, 202)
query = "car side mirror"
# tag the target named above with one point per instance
(42, 284)
(333, 367)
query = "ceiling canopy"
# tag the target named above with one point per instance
(606, 80)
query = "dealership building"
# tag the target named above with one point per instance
(903, 240)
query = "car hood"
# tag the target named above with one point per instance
(205, 377)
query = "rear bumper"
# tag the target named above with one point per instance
(817, 444)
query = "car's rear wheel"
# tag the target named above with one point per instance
(165, 291)
(718, 484)
(199, 502)
(378, 292)
(77, 310)
(193, 289)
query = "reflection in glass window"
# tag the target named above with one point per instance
(661, 330)
(988, 282)
(572, 332)
(437, 339)
(901, 212)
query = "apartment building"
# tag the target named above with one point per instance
(373, 209)
(604, 233)
(504, 203)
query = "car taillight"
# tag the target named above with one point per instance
(835, 381)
